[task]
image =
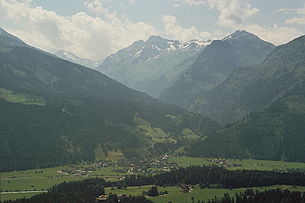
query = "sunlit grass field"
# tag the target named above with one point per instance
(247, 164)
(176, 195)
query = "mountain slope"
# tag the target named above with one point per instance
(275, 91)
(275, 133)
(56, 112)
(8, 40)
(76, 59)
(252, 88)
(214, 64)
(153, 65)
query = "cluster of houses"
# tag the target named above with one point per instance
(225, 163)
(76, 172)
(186, 188)
(149, 165)
(105, 164)
(103, 198)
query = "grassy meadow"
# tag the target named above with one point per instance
(15, 97)
(247, 164)
(176, 195)
(42, 179)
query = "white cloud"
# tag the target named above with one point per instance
(86, 36)
(131, 1)
(178, 3)
(232, 12)
(232, 15)
(173, 29)
(98, 7)
(107, 32)
(300, 20)
(293, 10)
(195, 2)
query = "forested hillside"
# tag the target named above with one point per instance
(56, 112)
(275, 133)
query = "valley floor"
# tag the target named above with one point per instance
(176, 195)
(18, 184)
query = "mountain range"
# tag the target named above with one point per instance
(56, 112)
(153, 65)
(249, 89)
(268, 101)
(214, 64)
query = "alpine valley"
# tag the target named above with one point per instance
(219, 121)
(243, 82)
(55, 112)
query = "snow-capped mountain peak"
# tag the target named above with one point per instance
(156, 46)
(152, 65)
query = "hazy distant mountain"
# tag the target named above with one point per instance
(214, 64)
(153, 65)
(272, 95)
(76, 59)
(56, 112)
(252, 88)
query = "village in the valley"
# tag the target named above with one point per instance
(133, 166)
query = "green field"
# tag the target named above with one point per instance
(14, 97)
(17, 196)
(43, 179)
(35, 180)
(157, 135)
(248, 164)
(176, 195)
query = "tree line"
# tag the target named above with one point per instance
(218, 177)
(85, 191)
(269, 196)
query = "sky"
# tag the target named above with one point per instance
(95, 29)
